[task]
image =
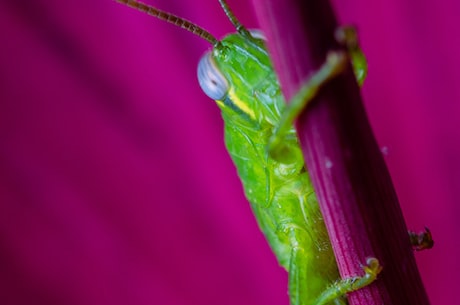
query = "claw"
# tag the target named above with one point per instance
(421, 241)
(373, 267)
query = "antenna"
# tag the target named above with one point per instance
(177, 21)
(239, 27)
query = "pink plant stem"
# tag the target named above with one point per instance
(350, 177)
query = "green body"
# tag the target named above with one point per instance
(281, 194)
(263, 145)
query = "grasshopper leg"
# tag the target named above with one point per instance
(340, 301)
(297, 274)
(336, 62)
(340, 288)
(347, 36)
(421, 241)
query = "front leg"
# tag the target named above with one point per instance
(335, 64)
(347, 36)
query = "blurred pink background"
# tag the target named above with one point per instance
(115, 186)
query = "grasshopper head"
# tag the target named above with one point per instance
(238, 75)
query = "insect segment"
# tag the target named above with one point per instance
(238, 75)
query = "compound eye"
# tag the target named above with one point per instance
(211, 80)
(258, 34)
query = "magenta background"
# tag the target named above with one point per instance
(115, 186)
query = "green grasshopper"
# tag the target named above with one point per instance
(260, 137)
